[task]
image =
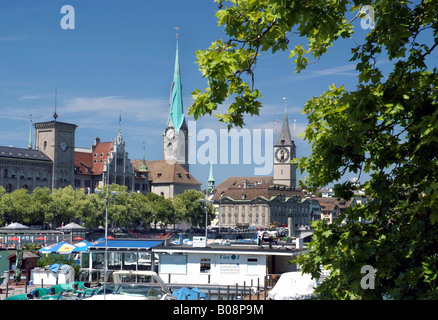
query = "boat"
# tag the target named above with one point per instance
(293, 286)
(134, 285)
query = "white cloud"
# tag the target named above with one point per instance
(93, 111)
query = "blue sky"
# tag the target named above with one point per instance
(120, 58)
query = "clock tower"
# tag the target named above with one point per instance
(284, 152)
(57, 141)
(175, 135)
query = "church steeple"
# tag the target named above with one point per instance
(176, 103)
(285, 139)
(175, 135)
(284, 152)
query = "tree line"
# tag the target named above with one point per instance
(127, 209)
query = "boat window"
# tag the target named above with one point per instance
(205, 265)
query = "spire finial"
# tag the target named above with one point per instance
(119, 133)
(30, 133)
(177, 35)
(55, 115)
(143, 166)
(285, 103)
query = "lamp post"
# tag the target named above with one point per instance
(114, 194)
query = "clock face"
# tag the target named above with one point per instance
(63, 145)
(170, 133)
(282, 154)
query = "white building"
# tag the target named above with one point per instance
(222, 265)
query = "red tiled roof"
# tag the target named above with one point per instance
(234, 188)
(83, 163)
(93, 163)
(161, 171)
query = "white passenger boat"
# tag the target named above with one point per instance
(134, 285)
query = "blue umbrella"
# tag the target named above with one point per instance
(82, 246)
(60, 247)
(189, 294)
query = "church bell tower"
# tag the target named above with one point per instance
(175, 135)
(285, 173)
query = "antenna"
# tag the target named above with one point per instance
(30, 133)
(55, 115)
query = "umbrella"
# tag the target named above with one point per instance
(14, 239)
(189, 294)
(78, 238)
(66, 248)
(82, 246)
(41, 238)
(61, 247)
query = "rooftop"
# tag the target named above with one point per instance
(21, 153)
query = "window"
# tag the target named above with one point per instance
(45, 145)
(252, 265)
(172, 263)
(5, 173)
(205, 265)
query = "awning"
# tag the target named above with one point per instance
(127, 244)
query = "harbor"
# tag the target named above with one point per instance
(217, 269)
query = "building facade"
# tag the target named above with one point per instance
(24, 168)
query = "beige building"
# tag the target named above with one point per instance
(255, 202)
(24, 168)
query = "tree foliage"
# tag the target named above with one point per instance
(188, 207)
(386, 127)
(126, 209)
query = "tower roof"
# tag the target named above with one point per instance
(285, 138)
(176, 103)
(210, 176)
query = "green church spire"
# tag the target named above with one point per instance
(210, 182)
(176, 102)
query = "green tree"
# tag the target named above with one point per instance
(17, 206)
(144, 210)
(189, 208)
(41, 199)
(387, 127)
